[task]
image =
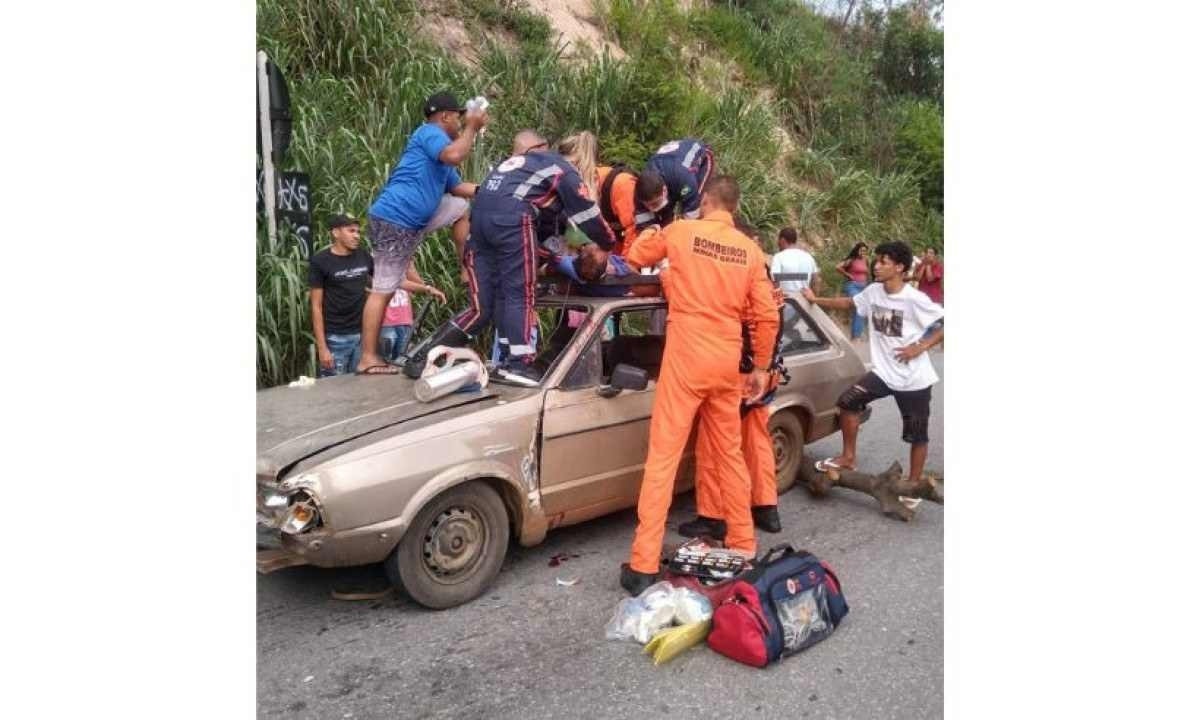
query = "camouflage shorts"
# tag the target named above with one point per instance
(392, 249)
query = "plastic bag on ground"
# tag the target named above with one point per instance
(659, 606)
(690, 606)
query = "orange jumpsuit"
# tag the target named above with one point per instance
(621, 204)
(759, 452)
(717, 278)
(757, 448)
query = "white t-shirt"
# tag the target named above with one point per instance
(896, 321)
(793, 260)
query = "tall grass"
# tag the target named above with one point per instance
(284, 329)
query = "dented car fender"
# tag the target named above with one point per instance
(521, 500)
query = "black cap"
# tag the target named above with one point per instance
(442, 101)
(342, 220)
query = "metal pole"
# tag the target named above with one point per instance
(416, 328)
(264, 128)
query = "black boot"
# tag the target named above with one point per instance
(448, 334)
(712, 527)
(766, 518)
(634, 582)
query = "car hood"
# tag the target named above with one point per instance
(295, 423)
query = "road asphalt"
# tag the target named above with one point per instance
(531, 648)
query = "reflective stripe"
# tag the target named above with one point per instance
(520, 349)
(530, 278)
(584, 215)
(535, 179)
(691, 155)
(468, 317)
(643, 217)
(709, 164)
(692, 215)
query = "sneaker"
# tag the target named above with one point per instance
(701, 526)
(634, 582)
(519, 373)
(766, 518)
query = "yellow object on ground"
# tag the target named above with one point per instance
(670, 643)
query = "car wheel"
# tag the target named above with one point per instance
(454, 547)
(787, 440)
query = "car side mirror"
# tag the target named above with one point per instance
(624, 377)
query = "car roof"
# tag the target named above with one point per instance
(554, 300)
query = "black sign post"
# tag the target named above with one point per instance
(292, 204)
(274, 123)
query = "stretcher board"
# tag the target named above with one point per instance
(548, 283)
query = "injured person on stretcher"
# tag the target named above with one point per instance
(594, 272)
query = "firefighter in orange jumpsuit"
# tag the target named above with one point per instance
(759, 451)
(718, 278)
(616, 187)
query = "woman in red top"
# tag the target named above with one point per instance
(929, 276)
(856, 270)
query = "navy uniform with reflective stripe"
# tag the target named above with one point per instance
(685, 166)
(501, 253)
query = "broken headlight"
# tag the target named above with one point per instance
(289, 506)
(302, 514)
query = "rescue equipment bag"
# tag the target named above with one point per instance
(787, 602)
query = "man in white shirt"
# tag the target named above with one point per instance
(904, 324)
(794, 259)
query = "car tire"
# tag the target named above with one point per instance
(454, 547)
(787, 440)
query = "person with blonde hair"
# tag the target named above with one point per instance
(581, 151)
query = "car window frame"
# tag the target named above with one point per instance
(553, 367)
(596, 339)
(804, 317)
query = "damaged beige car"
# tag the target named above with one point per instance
(354, 470)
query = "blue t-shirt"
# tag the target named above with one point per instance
(413, 190)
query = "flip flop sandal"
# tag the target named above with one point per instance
(384, 369)
(828, 464)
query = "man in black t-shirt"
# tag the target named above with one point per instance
(338, 278)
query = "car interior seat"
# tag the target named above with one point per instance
(643, 351)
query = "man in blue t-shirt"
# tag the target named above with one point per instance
(424, 193)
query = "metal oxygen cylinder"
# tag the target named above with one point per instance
(463, 367)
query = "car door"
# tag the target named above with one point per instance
(593, 447)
